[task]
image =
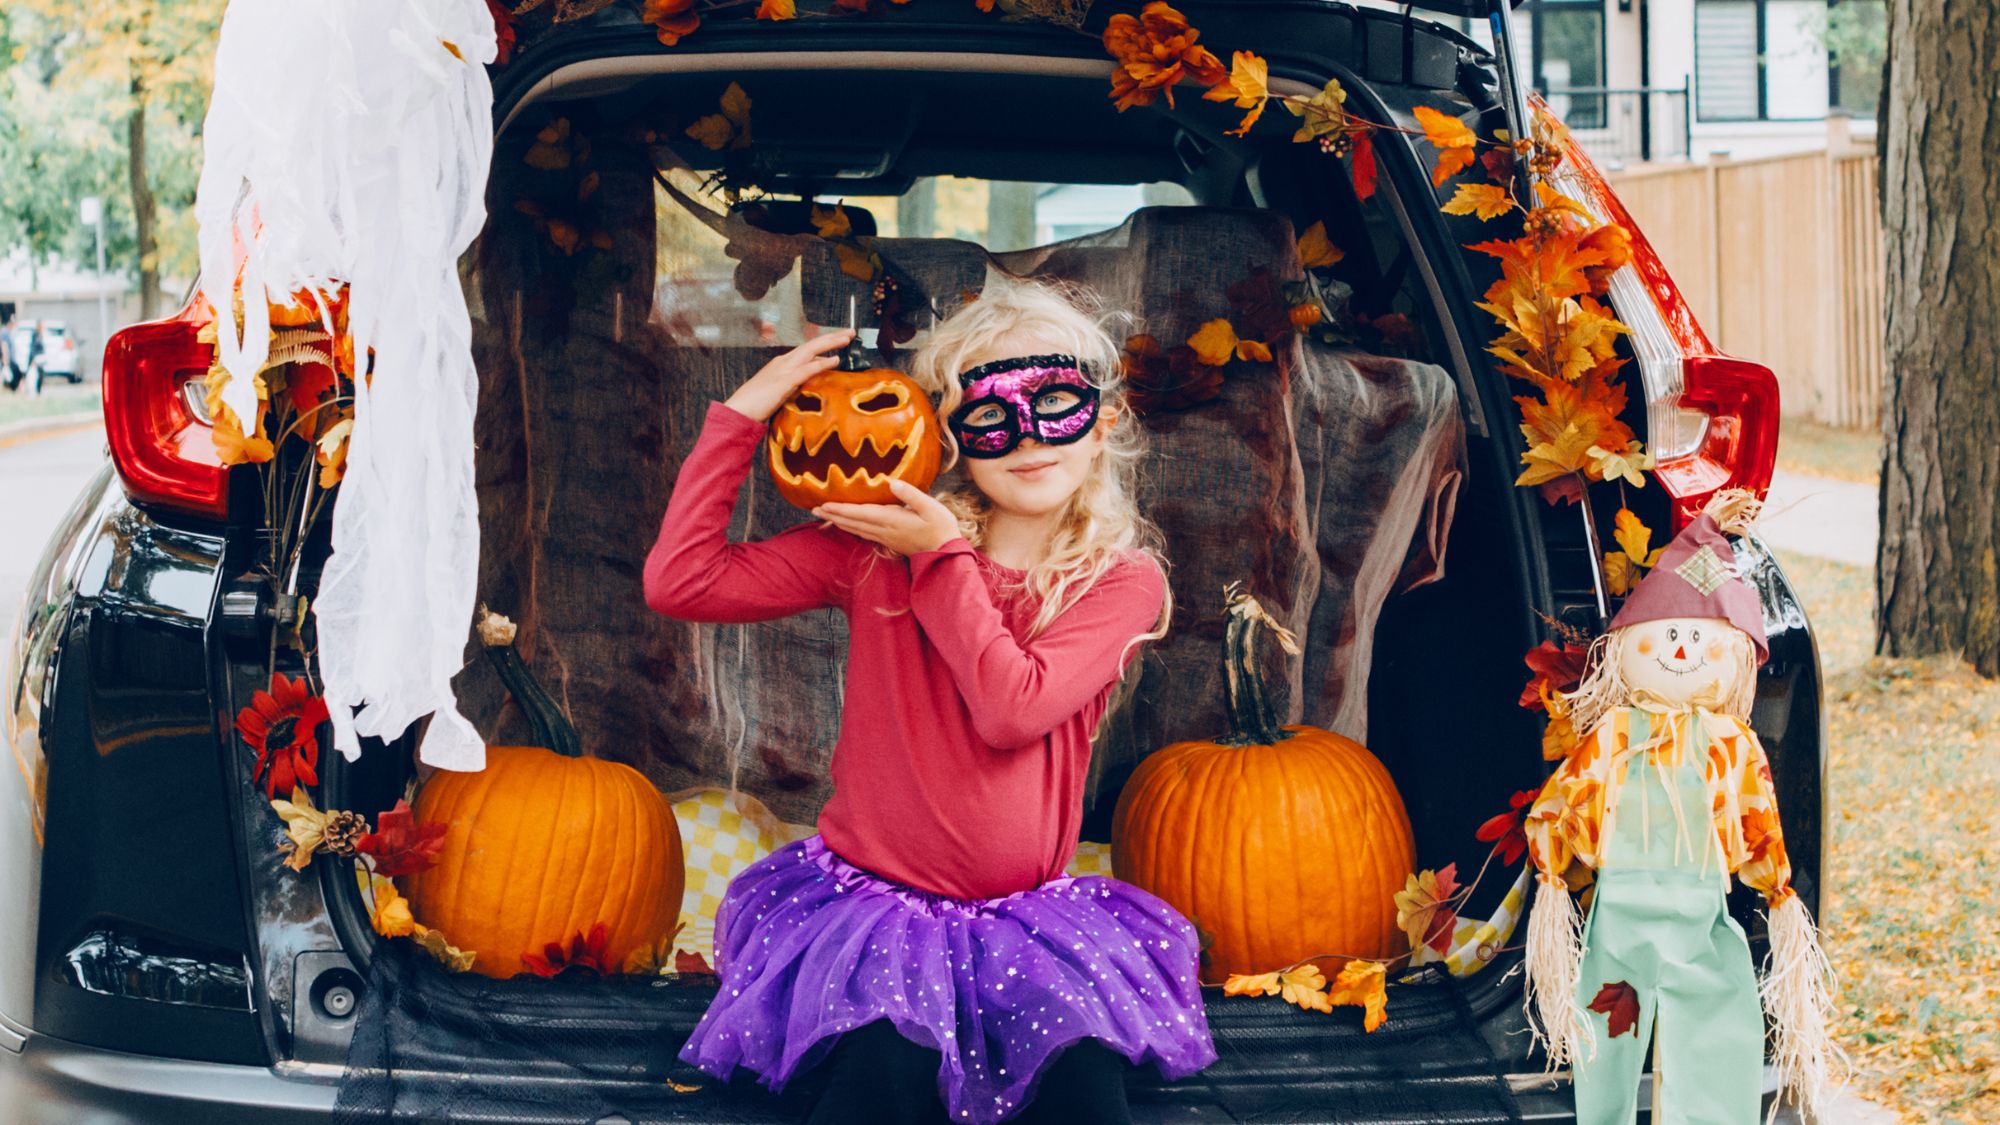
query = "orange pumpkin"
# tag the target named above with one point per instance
(844, 435)
(1279, 843)
(545, 843)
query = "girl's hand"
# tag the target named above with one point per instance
(919, 523)
(762, 394)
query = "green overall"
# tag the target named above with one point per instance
(1660, 924)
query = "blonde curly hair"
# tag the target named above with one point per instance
(1102, 523)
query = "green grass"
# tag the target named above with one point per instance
(56, 398)
(1840, 603)
(1826, 451)
(1913, 801)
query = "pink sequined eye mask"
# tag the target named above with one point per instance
(1045, 397)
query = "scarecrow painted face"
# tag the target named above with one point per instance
(1683, 660)
(844, 435)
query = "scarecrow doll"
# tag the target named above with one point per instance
(1665, 796)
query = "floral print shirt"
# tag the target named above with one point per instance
(1565, 825)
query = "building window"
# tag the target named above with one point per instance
(1567, 40)
(1772, 60)
(1857, 37)
(1567, 37)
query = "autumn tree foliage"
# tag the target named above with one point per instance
(1938, 568)
(143, 70)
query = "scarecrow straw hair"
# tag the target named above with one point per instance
(1734, 510)
(1555, 962)
(1797, 991)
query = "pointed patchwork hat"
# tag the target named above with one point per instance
(1697, 574)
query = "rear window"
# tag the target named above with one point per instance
(633, 274)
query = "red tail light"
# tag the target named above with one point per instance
(162, 451)
(1738, 447)
(1711, 419)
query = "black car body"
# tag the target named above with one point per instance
(160, 965)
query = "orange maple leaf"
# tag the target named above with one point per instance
(1423, 908)
(1559, 737)
(1454, 141)
(1248, 87)
(1305, 986)
(232, 445)
(1216, 343)
(831, 222)
(1251, 984)
(1488, 201)
(1315, 250)
(1556, 201)
(1761, 832)
(1365, 984)
(1561, 429)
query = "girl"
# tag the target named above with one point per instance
(926, 939)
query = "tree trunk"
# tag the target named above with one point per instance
(916, 211)
(1938, 567)
(144, 215)
(1010, 215)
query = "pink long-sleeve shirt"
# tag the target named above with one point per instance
(964, 744)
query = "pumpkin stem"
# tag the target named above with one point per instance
(552, 728)
(1252, 720)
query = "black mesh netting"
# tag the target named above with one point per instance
(431, 1046)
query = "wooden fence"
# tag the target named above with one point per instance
(1782, 260)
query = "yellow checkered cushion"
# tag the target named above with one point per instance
(723, 833)
(1092, 858)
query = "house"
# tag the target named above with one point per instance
(1669, 79)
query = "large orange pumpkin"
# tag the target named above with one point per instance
(1279, 843)
(544, 843)
(844, 435)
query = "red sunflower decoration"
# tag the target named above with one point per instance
(281, 725)
(586, 951)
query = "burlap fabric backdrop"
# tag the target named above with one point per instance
(1324, 480)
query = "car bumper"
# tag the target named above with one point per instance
(54, 1082)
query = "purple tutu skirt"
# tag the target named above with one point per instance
(808, 946)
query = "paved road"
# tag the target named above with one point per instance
(40, 475)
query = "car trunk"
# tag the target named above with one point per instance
(614, 294)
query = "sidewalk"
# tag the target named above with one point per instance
(1828, 519)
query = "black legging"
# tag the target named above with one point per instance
(878, 1077)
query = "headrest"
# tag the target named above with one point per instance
(926, 269)
(1160, 260)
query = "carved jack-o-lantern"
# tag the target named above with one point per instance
(844, 435)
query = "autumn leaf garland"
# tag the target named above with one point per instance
(1557, 334)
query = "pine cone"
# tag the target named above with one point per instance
(341, 832)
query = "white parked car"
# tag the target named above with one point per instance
(56, 358)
